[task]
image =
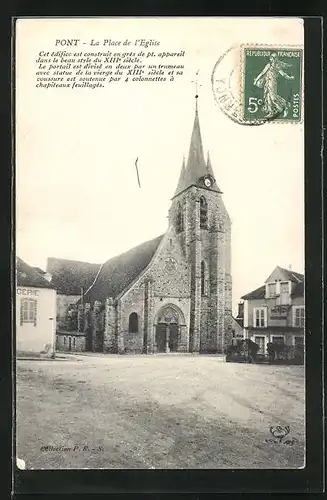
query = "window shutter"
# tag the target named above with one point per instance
(265, 312)
(298, 317)
(21, 312)
(254, 317)
(33, 307)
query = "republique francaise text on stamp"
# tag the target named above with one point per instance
(272, 83)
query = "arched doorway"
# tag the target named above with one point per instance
(168, 329)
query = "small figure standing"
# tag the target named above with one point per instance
(267, 79)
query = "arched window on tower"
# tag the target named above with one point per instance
(203, 213)
(179, 219)
(204, 278)
(133, 324)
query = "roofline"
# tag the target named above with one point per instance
(44, 282)
(299, 280)
(94, 281)
(141, 274)
(72, 260)
(125, 290)
(47, 287)
(194, 185)
(249, 293)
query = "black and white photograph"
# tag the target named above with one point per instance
(160, 305)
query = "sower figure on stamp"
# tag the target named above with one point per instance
(273, 102)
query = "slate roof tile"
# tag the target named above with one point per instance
(29, 277)
(120, 271)
(69, 276)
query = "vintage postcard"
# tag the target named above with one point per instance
(160, 313)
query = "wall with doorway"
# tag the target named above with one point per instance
(70, 343)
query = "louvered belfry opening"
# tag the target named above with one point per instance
(179, 219)
(203, 213)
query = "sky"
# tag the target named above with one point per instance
(77, 195)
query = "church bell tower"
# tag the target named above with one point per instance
(203, 228)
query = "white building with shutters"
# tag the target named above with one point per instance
(35, 306)
(275, 312)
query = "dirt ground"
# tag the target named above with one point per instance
(161, 411)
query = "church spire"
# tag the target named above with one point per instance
(181, 178)
(209, 166)
(210, 172)
(196, 165)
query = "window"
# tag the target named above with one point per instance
(74, 341)
(204, 279)
(284, 292)
(179, 219)
(272, 289)
(133, 326)
(298, 316)
(203, 213)
(277, 339)
(284, 287)
(28, 311)
(260, 317)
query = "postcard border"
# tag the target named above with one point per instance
(311, 478)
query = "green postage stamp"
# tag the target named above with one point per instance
(272, 86)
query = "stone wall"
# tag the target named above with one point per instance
(165, 281)
(109, 339)
(131, 302)
(69, 342)
(62, 304)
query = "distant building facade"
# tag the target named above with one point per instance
(71, 279)
(173, 293)
(35, 312)
(237, 322)
(275, 312)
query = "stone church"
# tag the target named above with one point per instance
(173, 293)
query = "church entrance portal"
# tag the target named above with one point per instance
(167, 337)
(168, 330)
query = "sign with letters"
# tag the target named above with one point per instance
(27, 291)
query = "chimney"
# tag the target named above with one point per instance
(240, 313)
(290, 267)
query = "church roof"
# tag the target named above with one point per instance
(69, 276)
(28, 276)
(196, 166)
(118, 272)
